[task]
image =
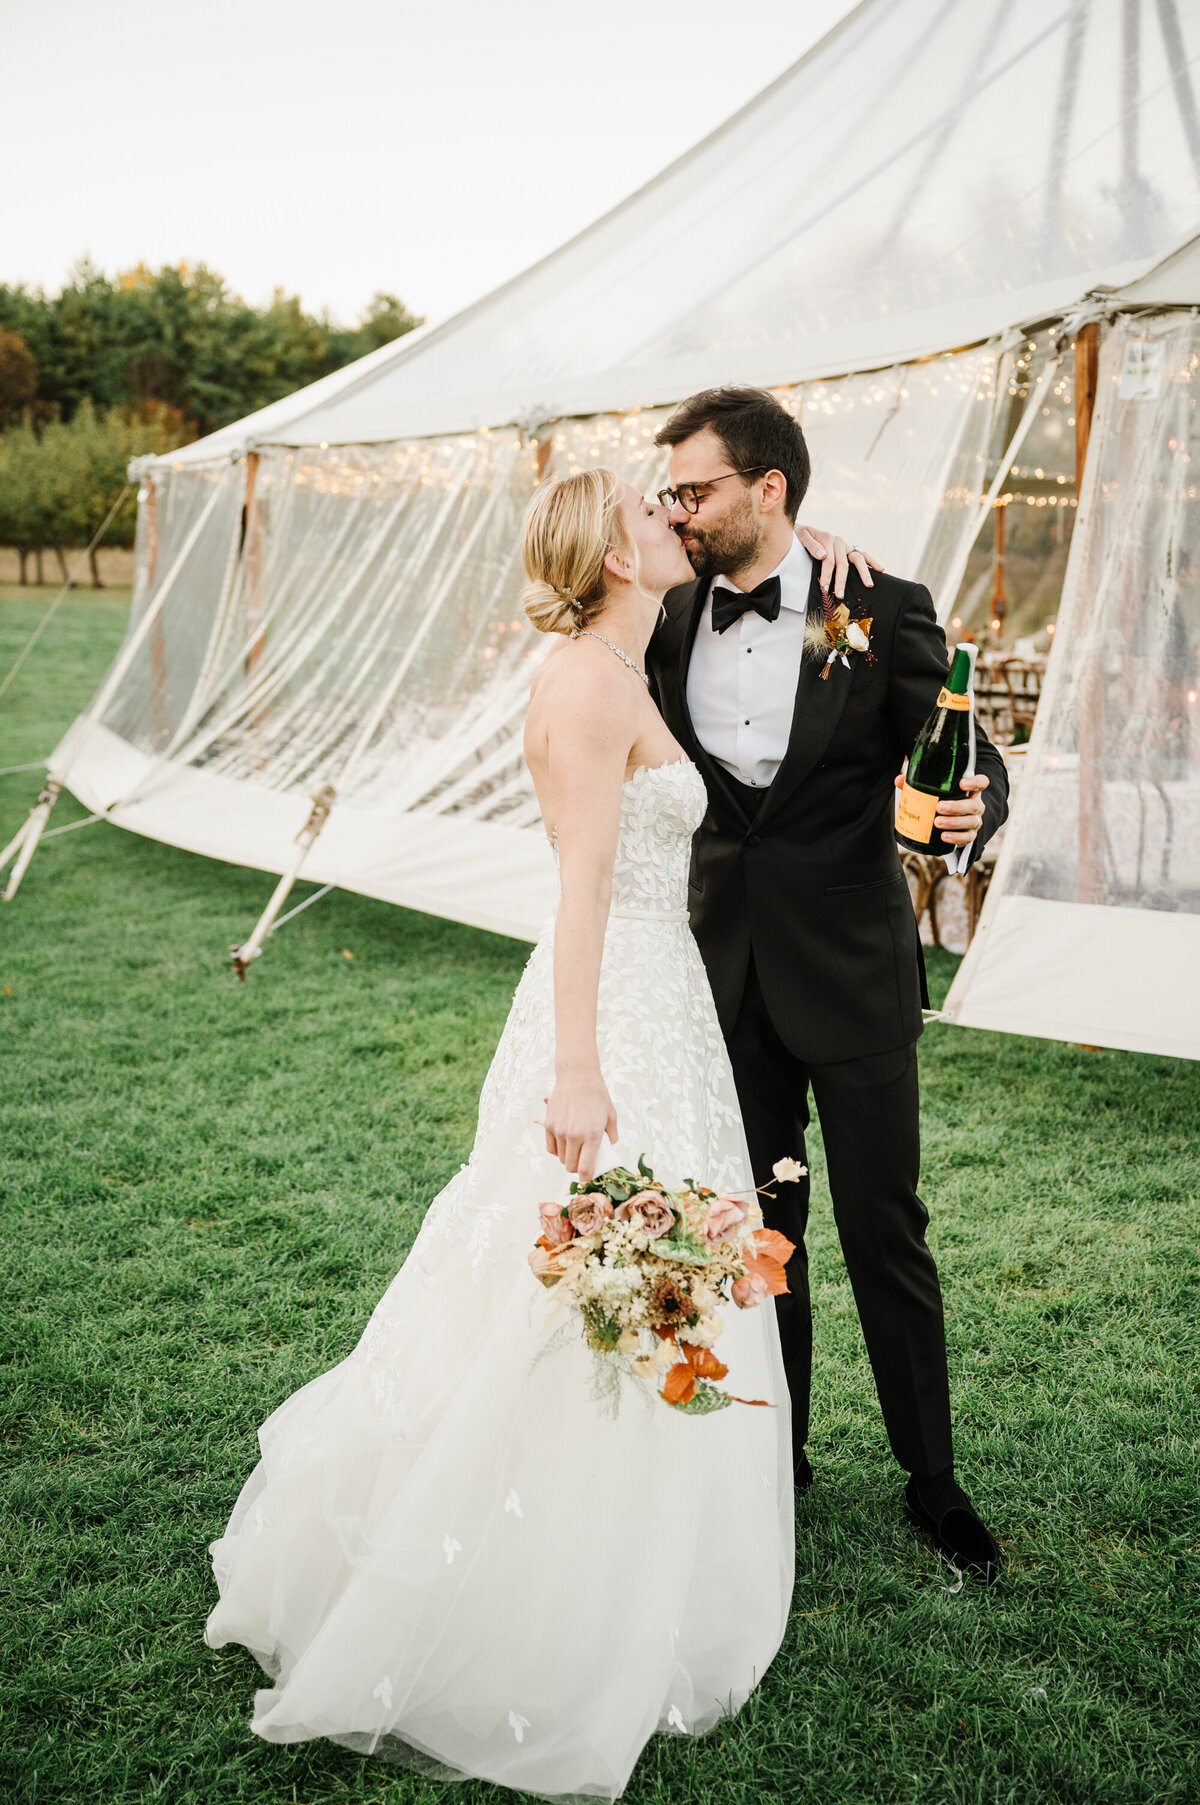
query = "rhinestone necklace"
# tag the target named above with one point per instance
(589, 633)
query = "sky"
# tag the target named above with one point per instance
(428, 148)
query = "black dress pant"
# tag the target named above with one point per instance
(868, 1110)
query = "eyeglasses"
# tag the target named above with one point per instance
(686, 494)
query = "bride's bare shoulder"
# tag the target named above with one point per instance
(572, 681)
(547, 662)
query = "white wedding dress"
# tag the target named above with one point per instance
(451, 1553)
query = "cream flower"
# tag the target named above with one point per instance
(856, 637)
(787, 1171)
(704, 1332)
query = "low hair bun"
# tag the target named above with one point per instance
(570, 526)
(549, 609)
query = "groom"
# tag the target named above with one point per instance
(799, 904)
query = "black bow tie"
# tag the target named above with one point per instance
(729, 605)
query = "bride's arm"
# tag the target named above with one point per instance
(589, 735)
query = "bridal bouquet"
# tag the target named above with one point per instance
(647, 1270)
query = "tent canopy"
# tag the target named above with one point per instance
(931, 173)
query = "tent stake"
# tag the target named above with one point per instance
(251, 949)
(25, 843)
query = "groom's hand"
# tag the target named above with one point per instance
(835, 558)
(959, 822)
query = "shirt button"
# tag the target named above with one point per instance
(745, 723)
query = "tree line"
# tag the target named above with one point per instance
(110, 368)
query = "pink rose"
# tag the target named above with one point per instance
(555, 1226)
(723, 1215)
(589, 1212)
(650, 1212)
(541, 1264)
(749, 1291)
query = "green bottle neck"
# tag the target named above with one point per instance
(959, 680)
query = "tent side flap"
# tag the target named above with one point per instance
(1105, 833)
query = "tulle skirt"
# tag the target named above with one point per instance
(454, 1552)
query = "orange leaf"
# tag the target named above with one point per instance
(664, 1334)
(680, 1387)
(543, 1242)
(704, 1362)
(768, 1269)
(769, 1241)
(760, 1403)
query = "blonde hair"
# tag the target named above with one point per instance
(570, 526)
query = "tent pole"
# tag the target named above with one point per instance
(251, 948)
(137, 638)
(158, 653)
(25, 843)
(255, 630)
(999, 598)
(1090, 880)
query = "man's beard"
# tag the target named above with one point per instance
(726, 546)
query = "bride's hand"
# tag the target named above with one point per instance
(835, 558)
(579, 1113)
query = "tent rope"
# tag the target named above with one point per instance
(39, 764)
(69, 827)
(300, 907)
(52, 610)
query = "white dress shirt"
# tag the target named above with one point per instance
(741, 684)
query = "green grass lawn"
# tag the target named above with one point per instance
(206, 1187)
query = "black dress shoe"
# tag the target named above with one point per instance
(804, 1475)
(942, 1510)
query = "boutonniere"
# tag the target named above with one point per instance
(836, 635)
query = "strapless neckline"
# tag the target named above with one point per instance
(668, 764)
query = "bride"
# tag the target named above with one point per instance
(451, 1554)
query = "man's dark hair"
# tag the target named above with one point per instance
(756, 431)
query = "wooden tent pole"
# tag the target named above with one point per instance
(999, 595)
(158, 651)
(26, 842)
(1090, 879)
(242, 954)
(1087, 364)
(255, 629)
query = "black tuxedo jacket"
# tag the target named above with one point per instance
(810, 881)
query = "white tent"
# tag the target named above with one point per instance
(1091, 929)
(890, 236)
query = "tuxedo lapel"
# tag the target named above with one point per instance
(678, 634)
(817, 710)
(685, 606)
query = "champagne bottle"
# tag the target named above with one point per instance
(943, 755)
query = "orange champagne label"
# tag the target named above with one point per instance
(914, 817)
(947, 699)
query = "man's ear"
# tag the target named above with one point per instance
(774, 491)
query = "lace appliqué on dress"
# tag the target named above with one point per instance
(661, 1048)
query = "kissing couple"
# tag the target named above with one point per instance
(450, 1555)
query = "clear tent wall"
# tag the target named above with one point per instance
(1091, 931)
(349, 617)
